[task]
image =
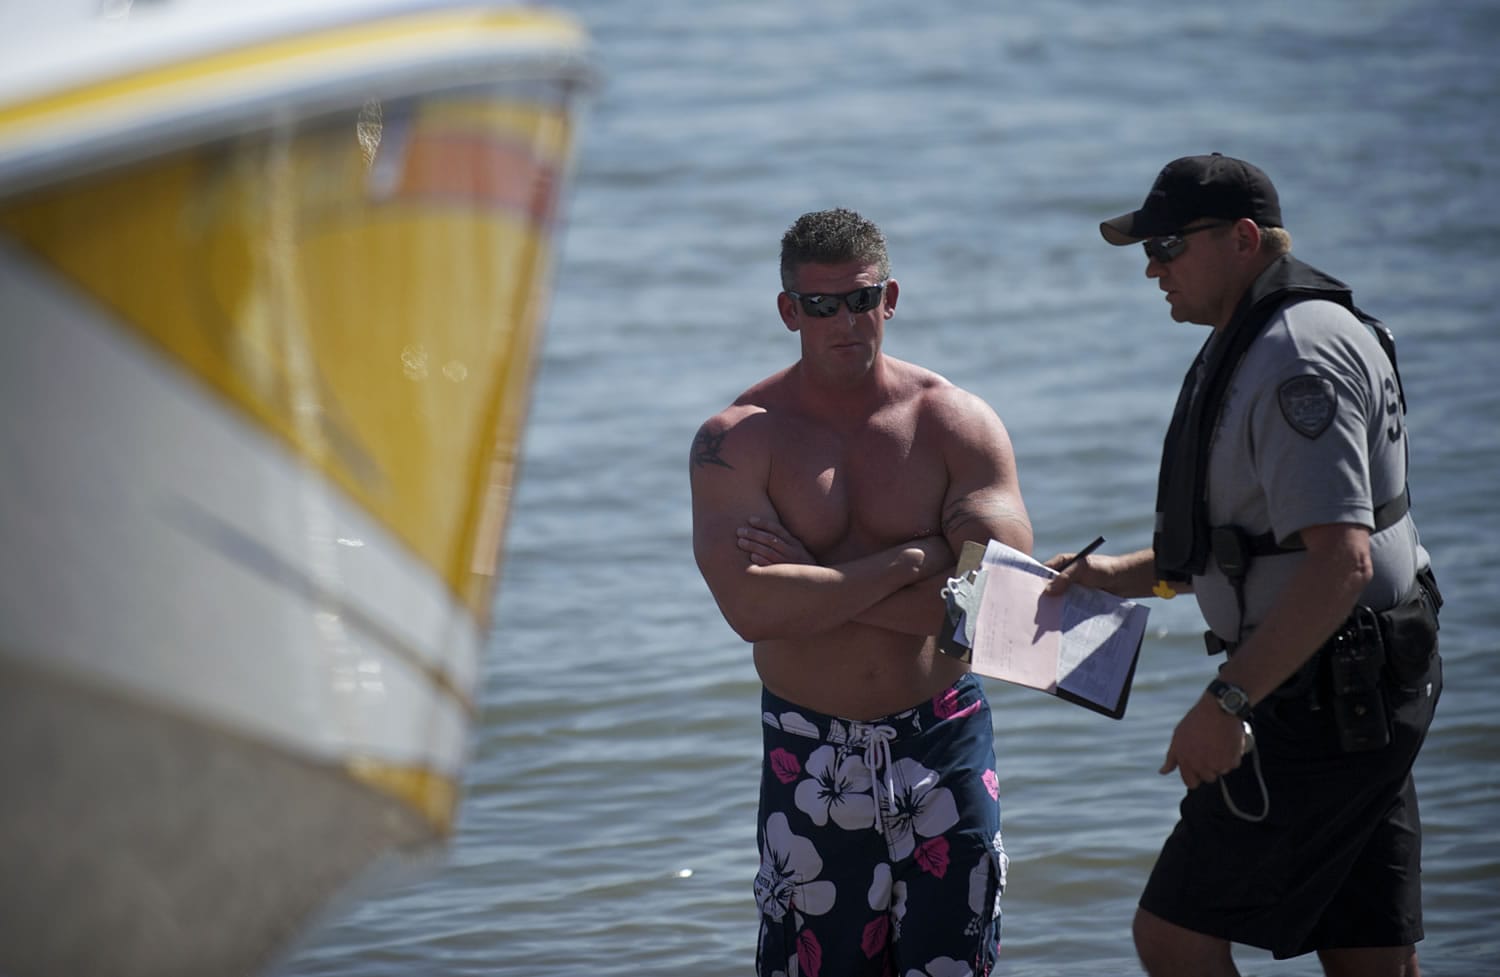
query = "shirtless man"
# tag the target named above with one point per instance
(828, 502)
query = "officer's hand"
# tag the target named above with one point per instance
(1206, 744)
(1091, 571)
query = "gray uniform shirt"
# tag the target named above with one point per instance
(1310, 433)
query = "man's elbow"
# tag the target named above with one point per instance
(1017, 536)
(752, 623)
(762, 623)
(748, 627)
(755, 635)
(1016, 533)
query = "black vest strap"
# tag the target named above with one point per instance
(1182, 538)
(1387, 514)
(1234, 550)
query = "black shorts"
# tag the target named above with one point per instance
(1335, 864)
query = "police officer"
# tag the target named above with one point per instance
(1282, 506)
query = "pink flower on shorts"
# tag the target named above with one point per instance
(784, 764)
(991, 784)
(876, 935)
(932, 855)
(945, 705)
(809, 953)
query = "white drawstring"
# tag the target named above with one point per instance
(878, 759)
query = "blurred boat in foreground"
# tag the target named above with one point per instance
(272, 278)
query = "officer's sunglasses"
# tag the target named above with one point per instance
(823, 306)
(1163, 249)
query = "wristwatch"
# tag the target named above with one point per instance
(1232, 698)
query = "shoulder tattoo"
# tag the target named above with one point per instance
(707, 448)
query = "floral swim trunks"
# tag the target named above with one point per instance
(880, 848)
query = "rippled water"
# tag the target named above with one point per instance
(608, 827)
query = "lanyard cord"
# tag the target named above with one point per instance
(1236, 567)
(1260, 781)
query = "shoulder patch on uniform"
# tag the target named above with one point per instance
(1308, 403)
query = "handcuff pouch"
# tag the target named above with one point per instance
(1409, 631)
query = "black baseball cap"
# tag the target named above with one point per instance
(1193, 187)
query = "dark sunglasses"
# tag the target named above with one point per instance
(1163, 249)
(823, 306)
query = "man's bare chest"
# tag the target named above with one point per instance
(845, 495)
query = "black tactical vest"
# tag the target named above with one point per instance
(1181, 539)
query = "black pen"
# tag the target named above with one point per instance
(1082, 553)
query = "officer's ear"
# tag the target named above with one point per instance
(1246, 237)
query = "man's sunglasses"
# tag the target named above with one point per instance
(1163, 249)
(823, 306)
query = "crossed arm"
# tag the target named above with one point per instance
(768, 585)
(916, 608)
(982, 502)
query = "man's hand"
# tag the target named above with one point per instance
(1206, 744)
(767, 542)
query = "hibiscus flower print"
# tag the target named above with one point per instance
(932, 855)
(921, 807)
(984, 896)
(791, 722)
(942, 967)
(788, 876)
(945, 705)
(785, 766)
(888, 898)
(1002, 863)
(837, 788)
(809, 953)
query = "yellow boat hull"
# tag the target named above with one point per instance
(264, 392)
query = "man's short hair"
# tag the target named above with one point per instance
(1275, 241)
(830, 237)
